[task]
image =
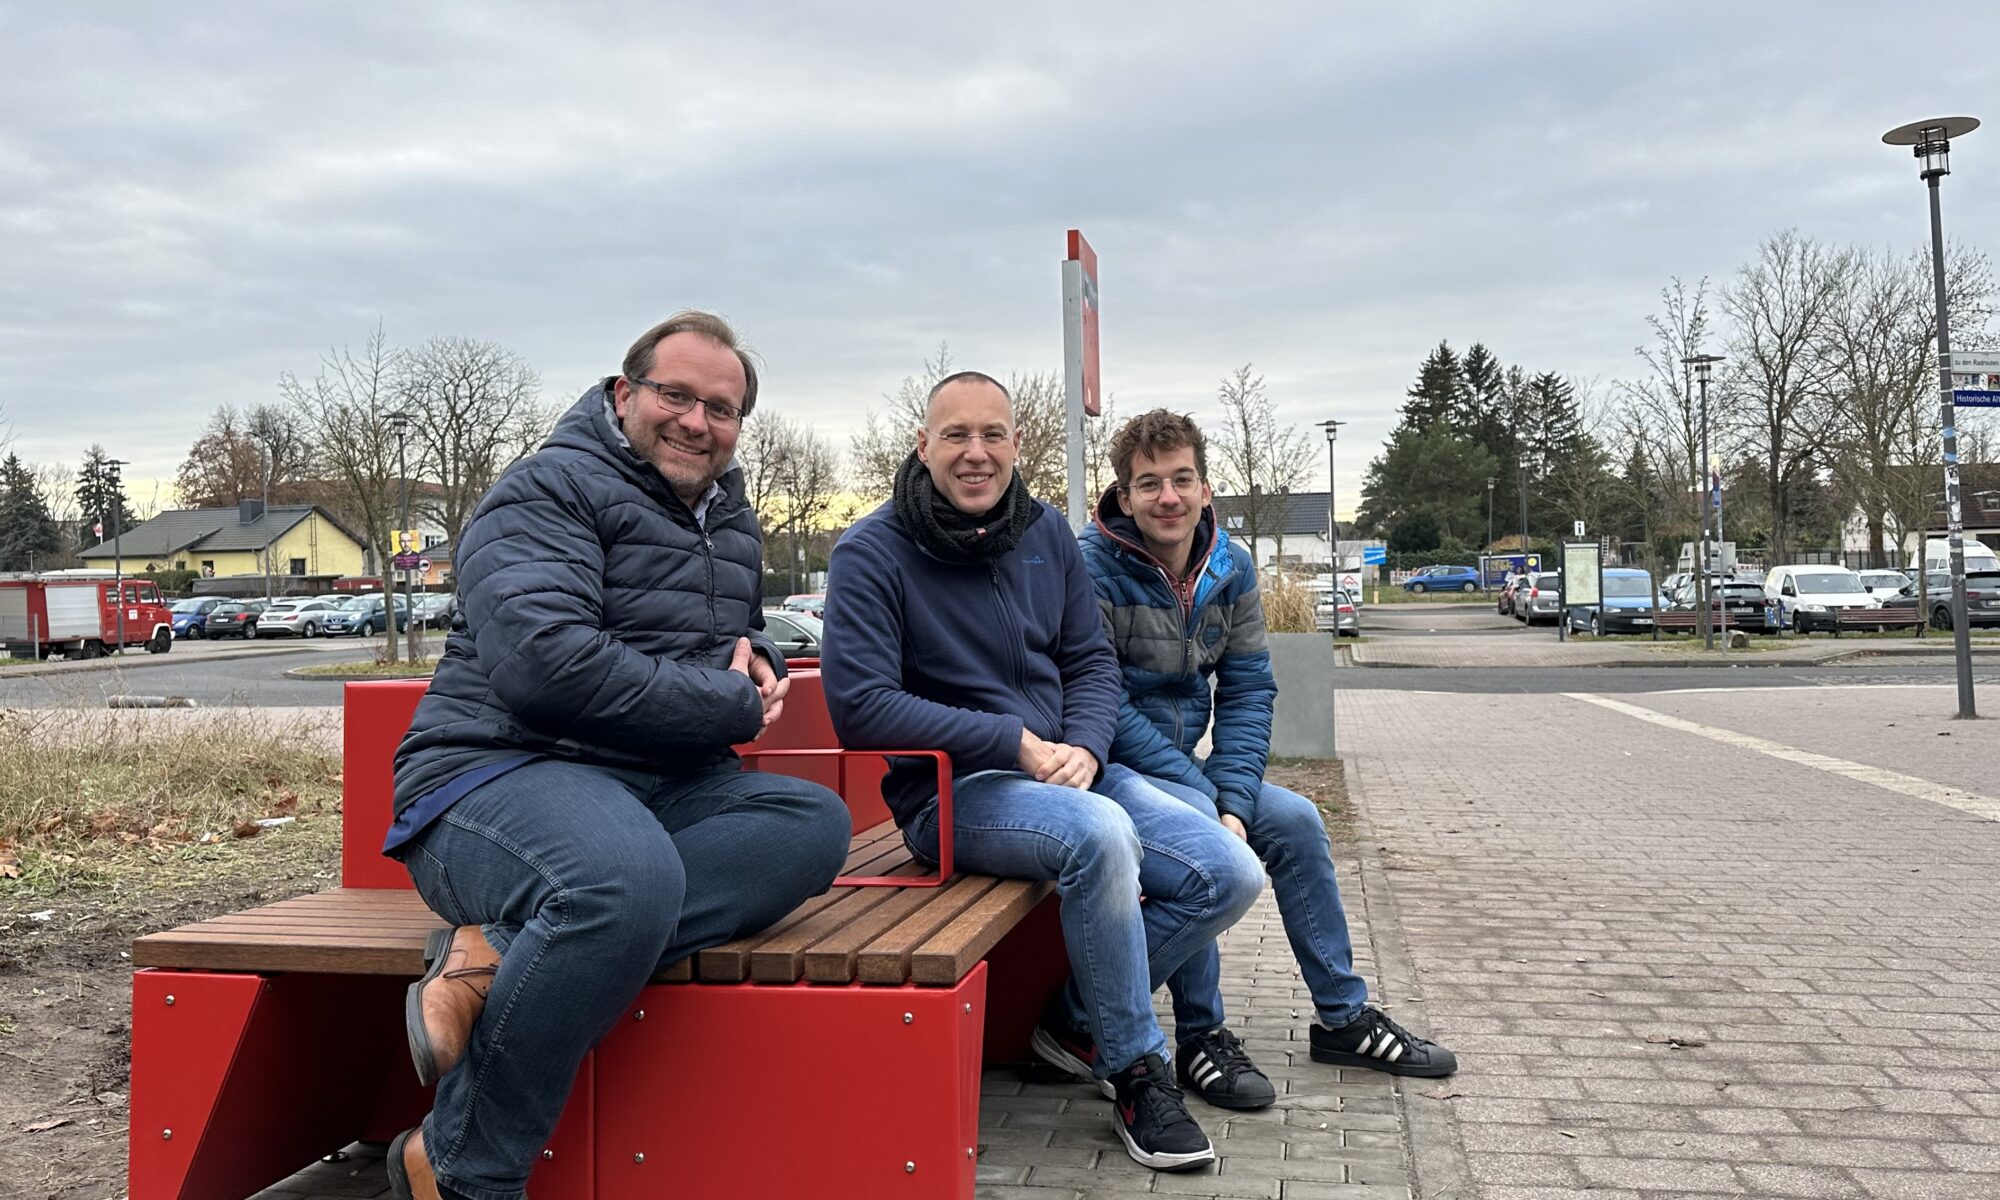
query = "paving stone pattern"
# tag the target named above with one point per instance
(1333, 1135)
(1775, 982)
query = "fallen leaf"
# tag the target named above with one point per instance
(246, 829)
(45, 1126)
(10, 866)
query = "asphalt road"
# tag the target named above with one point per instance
(215, 674)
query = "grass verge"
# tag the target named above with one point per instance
(421, 669)
(88, 800)
(1321, 781)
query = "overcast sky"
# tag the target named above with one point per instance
(197, 197)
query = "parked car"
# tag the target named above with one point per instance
(288, 618)
(363, 615)
(235, 618)
(1334, 612)
(1883, 584)
(1810, 596)
(1745, 604)
(190, 616)
(798, 634)
(1503, 600)
(1540, 598)
(813, 603)
(1982, 598)
(1627, 607)
(435, 609)
(1443, 579)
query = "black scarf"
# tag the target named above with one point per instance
(957, 537)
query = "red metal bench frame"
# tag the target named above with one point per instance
(856, 1090)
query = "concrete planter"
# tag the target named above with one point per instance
(1304, 665)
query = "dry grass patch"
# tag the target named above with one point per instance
(377, 668)
(1288, 606)
(90, 797)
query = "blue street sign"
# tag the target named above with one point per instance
(1374, 554)
(1976, 398)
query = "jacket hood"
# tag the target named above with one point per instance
(591, 426)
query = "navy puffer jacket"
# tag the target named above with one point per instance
(597, 618)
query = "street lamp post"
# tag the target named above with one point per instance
(1524, 515)
(1931, 142)
(1702, 364)
(1489, 514)
(1332, 428)
(400, 422)
(266, 514)
(117, 559)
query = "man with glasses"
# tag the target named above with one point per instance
(1181, 603)
(567, 796)
(959, 617)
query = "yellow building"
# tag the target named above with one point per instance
(299, 539)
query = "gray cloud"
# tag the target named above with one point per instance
(191, 203)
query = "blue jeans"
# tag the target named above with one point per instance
(587, 880)
(1103, 851)
(1289, 835)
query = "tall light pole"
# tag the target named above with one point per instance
(1931, 141)
(400, 422)
(1489, 514)
(1703, 364)
(1332, 428)
(266, 514)
(118, 559)
(1524, 514)
(1332, 521)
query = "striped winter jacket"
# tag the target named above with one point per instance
(1171, 641)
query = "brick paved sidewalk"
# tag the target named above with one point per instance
(1781, 981)
(1539, 648)
(1333, 1135)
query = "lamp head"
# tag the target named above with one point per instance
(1930, 140)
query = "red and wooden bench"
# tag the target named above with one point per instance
(836, 1054)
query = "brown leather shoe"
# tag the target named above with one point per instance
(440, 1009)
(410, 1176)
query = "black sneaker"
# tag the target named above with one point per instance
(1152, 1119)
(1067, 1049)
(1215, 1067)
(1373, 1041)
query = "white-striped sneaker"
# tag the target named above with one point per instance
(1373, 1041)
(1215, 1067)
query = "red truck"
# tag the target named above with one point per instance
(76, 614)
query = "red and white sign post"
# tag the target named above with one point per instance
(1080, 373)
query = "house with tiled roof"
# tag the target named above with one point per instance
(295, 539)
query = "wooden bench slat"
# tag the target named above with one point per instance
(730, 962)
(280, 957)
(832, 958)
(886, 960)
(945, 958)
(780, 958)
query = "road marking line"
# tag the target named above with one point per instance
(1985, 807)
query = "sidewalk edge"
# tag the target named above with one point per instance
(1438, 1169)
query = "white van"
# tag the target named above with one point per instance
(1978, 555)
(1810, 596)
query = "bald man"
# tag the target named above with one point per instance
(960, 616)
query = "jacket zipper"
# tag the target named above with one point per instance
(1018, 644)
(1184, 601)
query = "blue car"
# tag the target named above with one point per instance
(1443, 579)
(190, 616)
(1630, 601)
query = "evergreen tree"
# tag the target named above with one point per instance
(1431, 472)
(100, 496)
(1438, 396)
(28, 533)
(1488, 406)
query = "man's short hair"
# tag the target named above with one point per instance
(639, 359)
(1154, 434)
(966, 377)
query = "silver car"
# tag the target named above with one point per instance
(1335, 612)
(303, 618)
(1540, 598)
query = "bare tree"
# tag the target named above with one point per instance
(1256, 457)
(476, 407)
(1098, 431)
(1040, 404)
(345, 410)
(888, 435)
(1776, 396)
(1662, 405)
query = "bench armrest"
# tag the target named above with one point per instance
(943, 760)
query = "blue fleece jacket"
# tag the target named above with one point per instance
(1172, 637)
(921, 654)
